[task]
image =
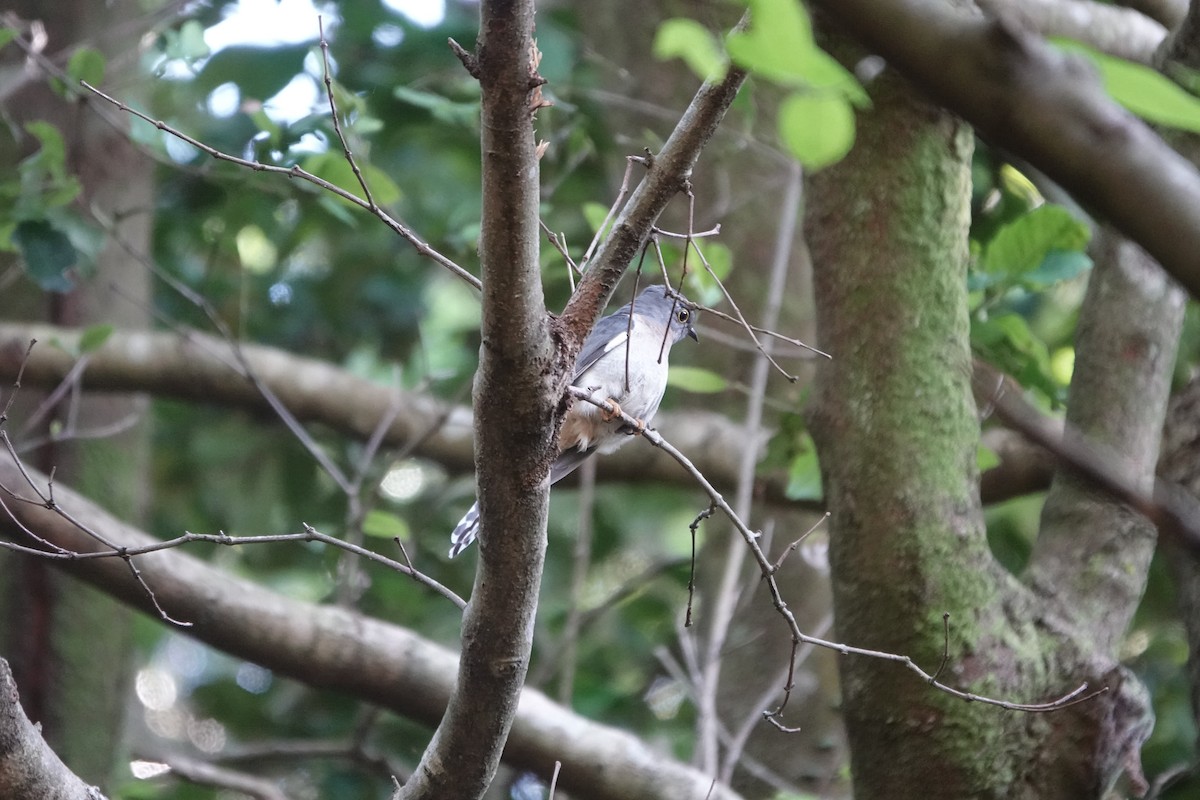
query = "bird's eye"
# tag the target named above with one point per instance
(683, 315)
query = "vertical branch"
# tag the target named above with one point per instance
(896, 429)
(1093, 552)
(515, 397)
(582, 561)
(725, 601)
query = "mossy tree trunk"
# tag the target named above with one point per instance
(897, 431)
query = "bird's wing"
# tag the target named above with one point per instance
(567, 462)
(610, 333)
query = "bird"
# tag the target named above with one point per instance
(623, 360)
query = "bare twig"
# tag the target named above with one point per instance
(467, 58)
(715, 230)
(17, 382)
(691, 587)
(559, 241)
(945, 647)
(621, 194)
(295, 171)
(735, 741)
(337, 125)
(792, 547)
(1078, 695)
(741, 319)
(765, 332)
(127, 553)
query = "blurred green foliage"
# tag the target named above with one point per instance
(286, 264)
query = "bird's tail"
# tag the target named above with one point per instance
(465, 531)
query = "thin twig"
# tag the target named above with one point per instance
(765, 332)
(1078, 695)
(741, 319)
(113, 550)
(713, 231)
(945, 646)
(296, 171)
(791, 547)
(621, 193)
(559, 241)
(691, 587)
(372, 206)
(17, 383)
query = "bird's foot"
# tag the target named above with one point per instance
(612, 411)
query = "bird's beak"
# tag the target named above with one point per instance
(692, 333)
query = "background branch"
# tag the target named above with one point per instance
(199, 368)
(28, 767)
(336, 648)
(1046, 106)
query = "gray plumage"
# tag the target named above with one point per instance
(620, 362)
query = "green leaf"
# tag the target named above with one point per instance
(47, 253)
(191, 44)
(695, 379)
(94, 337)
(985, 457)
(779, 46)
(1056, 267)
(689, 40)
(385, 525)
(780, 32)
(87, 64)
(51, 156)
(804, 473)
(6, 36)
(442, 108)
(259, 72)
(1142, 90)
(818, 129)
(1006, 341)
(1023, 244)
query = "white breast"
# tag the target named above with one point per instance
(637, 384)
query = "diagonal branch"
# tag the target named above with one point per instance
(1045, 106)
(341, 649)
(667, 173)
(28, 767)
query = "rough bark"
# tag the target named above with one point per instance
(895, 425)
(896, 428)
(517, 390)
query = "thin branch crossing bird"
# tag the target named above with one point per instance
(623, 360)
